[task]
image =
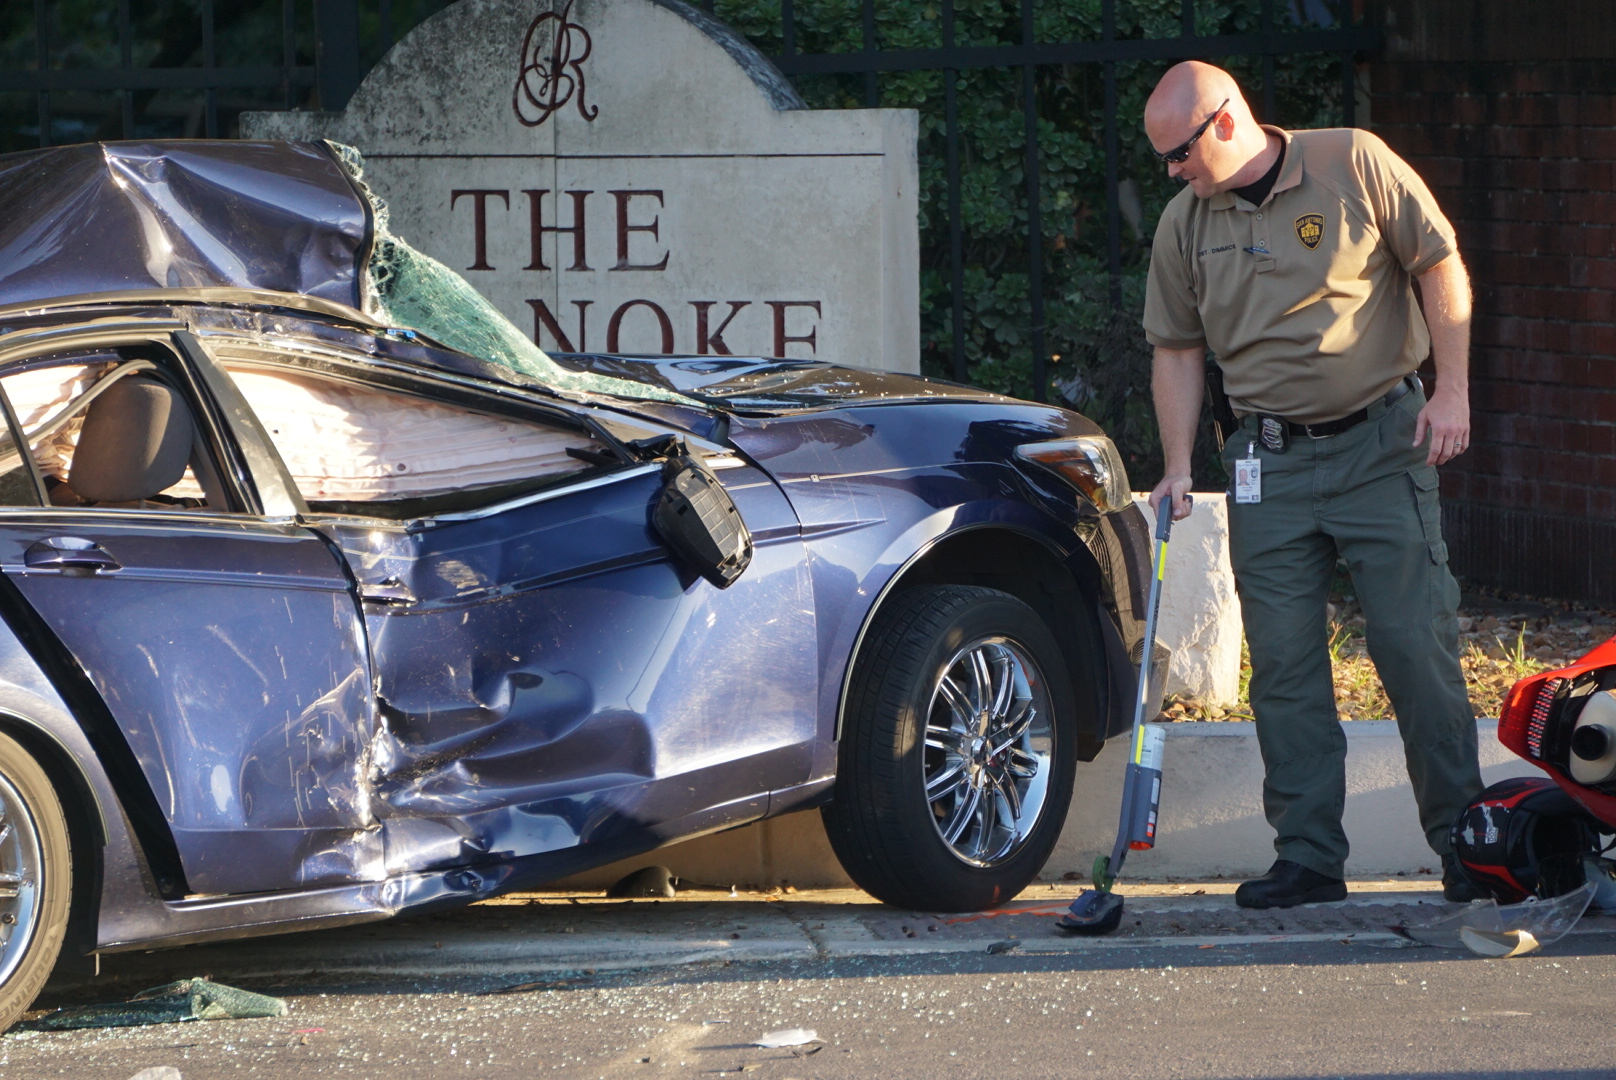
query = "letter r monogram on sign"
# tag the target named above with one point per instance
(551, 72)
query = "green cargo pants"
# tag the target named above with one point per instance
(1368, 496)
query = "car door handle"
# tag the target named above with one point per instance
(71, 556)
(389, 591)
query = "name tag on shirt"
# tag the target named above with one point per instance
(1248, 480)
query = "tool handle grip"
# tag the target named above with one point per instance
(1164, 516)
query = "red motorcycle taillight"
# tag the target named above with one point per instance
(1525, 713)
(1530, 721)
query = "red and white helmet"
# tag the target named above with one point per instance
(1524, 837)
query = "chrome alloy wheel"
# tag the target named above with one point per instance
(989, 748)
(20, 866)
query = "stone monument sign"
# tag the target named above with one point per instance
(633, 176)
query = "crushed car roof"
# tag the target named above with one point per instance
(98, 221)
(124, 217)
(111, 221)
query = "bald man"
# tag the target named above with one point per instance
(1292, 257)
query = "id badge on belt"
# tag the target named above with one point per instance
(1248, 476)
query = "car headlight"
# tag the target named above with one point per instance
(1089, 463)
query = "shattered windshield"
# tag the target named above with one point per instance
(408, 289)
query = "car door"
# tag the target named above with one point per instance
(218, 642)
(547, 674)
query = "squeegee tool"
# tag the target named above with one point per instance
(1099, 910)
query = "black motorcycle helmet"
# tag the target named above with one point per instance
(1524, 837)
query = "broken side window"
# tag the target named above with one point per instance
(104, 429)
(356, 448)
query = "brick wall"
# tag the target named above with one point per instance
(1509, 112)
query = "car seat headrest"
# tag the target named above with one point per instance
(136, 442)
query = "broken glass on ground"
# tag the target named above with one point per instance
(1488, 929)
(175, 1002)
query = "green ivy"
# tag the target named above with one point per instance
(1099, 361)
(85, 34)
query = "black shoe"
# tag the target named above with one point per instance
(1456, 888)
(1287, 884)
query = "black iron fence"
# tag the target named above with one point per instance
(1274, 37)
(77, 70)
(89, 69)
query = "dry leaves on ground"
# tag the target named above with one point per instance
(1501, 641)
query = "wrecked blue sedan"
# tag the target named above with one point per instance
(327, 596)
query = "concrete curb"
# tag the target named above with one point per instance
(480, 941)
(1212, 827)
(1212, 821)
(520, 940)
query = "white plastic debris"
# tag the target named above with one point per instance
(1487, 929)
(157, 1072)
(789, 1037)
(1501, 945)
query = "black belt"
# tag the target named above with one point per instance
(1351, 420)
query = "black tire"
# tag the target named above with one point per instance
(37, 849)
(883, 826)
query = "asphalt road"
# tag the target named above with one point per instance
(1286, 1008)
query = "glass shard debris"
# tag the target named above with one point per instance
(175, 1002)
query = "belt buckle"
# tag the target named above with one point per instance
(1309, 429)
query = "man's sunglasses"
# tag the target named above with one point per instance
(1181, 153)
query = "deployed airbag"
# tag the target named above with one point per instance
(347, 443)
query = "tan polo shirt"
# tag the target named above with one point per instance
(1307, 300)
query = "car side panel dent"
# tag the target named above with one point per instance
(546, 681)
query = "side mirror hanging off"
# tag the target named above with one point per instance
(695, 517)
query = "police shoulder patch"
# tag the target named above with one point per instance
(1310, 230)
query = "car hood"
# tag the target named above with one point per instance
(758, 385)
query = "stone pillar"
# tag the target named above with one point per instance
(1200, 614)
